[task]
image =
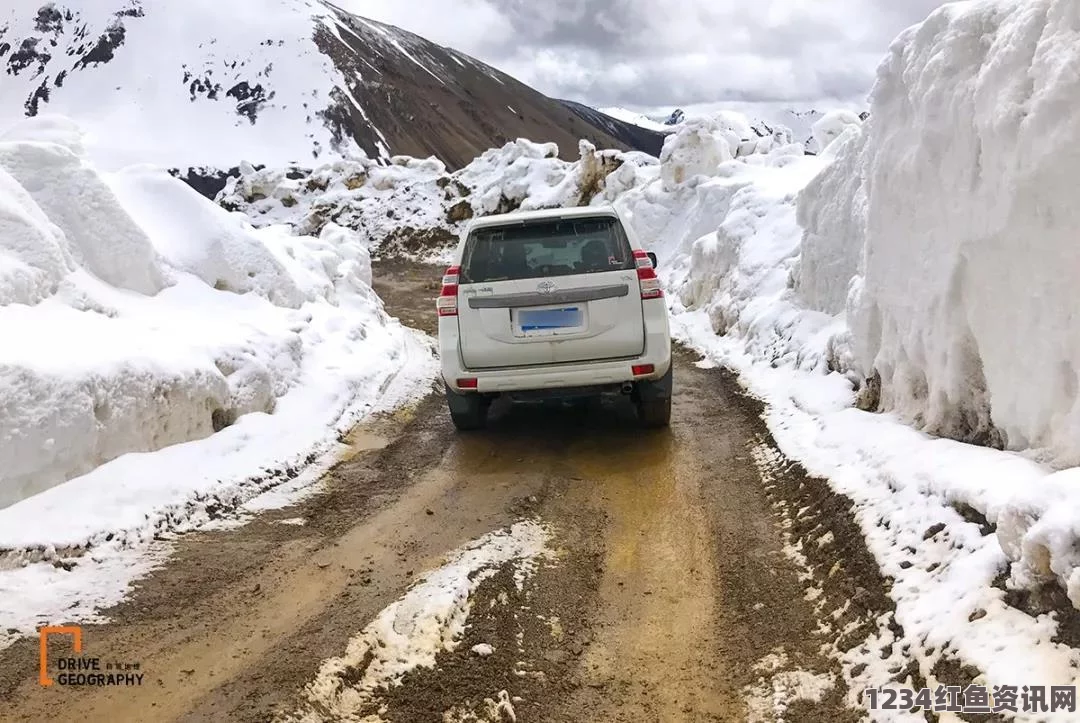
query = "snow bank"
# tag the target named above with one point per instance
(723, 225)
(141, 318)
(978, 158)
(741, 273)
(34, 257)
(946, 232)
(74, 198)
(754, 290)
(697, 148)
(970, 172)
(832, 214)
(927, 255)
(203, 239)
(378, 201)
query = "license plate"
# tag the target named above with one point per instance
(549, 319)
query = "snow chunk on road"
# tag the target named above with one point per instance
(411, 632)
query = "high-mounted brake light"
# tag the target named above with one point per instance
(447, 301)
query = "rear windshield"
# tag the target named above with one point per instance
(546, 248)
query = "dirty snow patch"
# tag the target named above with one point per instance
(411, 632)
(499, 709)
(769, 698)
(902, 485)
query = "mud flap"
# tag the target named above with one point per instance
(468, 411)
(656, 390)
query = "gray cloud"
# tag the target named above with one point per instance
(652, 53)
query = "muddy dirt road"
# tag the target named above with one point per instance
(666, 593)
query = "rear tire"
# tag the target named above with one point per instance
(655, 413)
(467, 411)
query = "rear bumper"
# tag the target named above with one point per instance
(569, 376)
(572, 378)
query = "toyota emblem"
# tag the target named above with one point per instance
(546, 287)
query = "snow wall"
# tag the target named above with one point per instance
(952, 220)
(136, 315)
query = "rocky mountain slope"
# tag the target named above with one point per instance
(204, 83)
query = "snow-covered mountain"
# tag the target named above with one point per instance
(630, 131)
(204, 83)
(639, 119)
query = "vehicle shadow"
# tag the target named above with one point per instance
(570, 433)
(599, 416)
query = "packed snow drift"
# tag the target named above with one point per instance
(140, 318)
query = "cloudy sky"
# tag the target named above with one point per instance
(650, 54)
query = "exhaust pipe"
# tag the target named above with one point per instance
(627, 388)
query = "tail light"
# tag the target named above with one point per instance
(650, 284)
(640, 370)
(447, 302)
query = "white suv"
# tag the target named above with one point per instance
(561, 303)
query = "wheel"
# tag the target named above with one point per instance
(467, 411)
(655, 412)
